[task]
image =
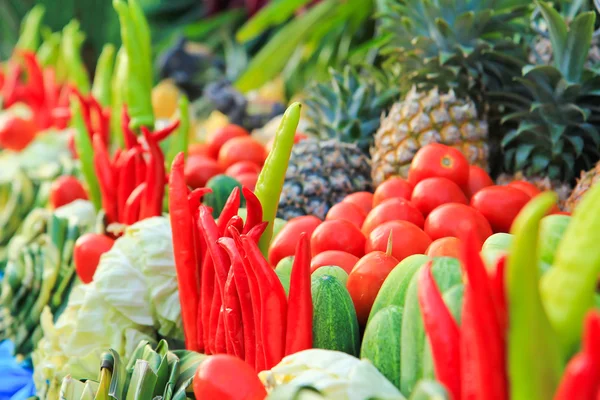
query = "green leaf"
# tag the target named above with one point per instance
(143, 381)
(578, 46)
(118, 383)
(522, 155)
(199, 30)
(557, 29)
(274, 13)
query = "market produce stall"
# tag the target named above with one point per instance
(335, 199)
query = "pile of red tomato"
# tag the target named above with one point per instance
(230, 150)
(369, 234)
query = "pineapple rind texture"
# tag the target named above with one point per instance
(424, 118)
(320, 174)
(584, 183)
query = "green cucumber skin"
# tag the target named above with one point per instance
(393, 290)
(221, 186)
(447, 274)
(382, 345)
(335, 325)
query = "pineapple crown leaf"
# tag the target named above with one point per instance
(570, 46)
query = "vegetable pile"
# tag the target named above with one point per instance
(409, 227)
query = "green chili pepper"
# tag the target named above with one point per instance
(118, 83)
(568, 288)
(85, 151)
(136, 41)
(178, 142)
(271, 178)
(534, 361)
(49, 51)
(72, 41)
(29, 39)
(102, 79)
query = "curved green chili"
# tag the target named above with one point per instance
(270, 181)
(568, 288)
(29, 39)
(534, 360)
(179, 141)
(72, 40)
(118, 82)
(49, 51)
(101, 86)
(85, 151)
(136, 42)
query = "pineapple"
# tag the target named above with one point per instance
(558, 131)
(448, 67)
(348, 107)
(320, 174)
(541, 47)
(423, 118)
(585, 182)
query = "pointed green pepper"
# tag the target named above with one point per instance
(534, 361)
(271, 178)
(72, 41)
(101, 88)
(29, 39)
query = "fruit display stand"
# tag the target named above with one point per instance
(334, 199)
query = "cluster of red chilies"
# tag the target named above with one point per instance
(132, 181)
(48, 100)
(470, 361)
(231, 299)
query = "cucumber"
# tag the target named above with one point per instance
(381, 343)
(394, 287)
(334, 271)
(284, 271)
(335, 326)
(447, 274)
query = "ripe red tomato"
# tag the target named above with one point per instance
(284, 243)
(337, 235)
(442, 161)
(407, 239)
(218, 138)
(456, 220)
(344, 260)
(347, 211)
(366, 279)
(248, 180)
(478, 179)
(392, 188)
(528, 188)
(364, 200)
(444, 247)
(65, 190)
(500, 205)
(244, 148)
(200, 149)
(431, 193)
(392, 210)
(227, 377)
(242, 167)
(199, 170)
(87, 252)
(16, 133)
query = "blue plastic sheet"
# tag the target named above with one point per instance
(16, 379)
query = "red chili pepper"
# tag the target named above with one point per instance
(106, 178)
(207, 294)
(232, 315)
(498, 286)
(155, 178)
(483, 358)
(162, 134)
(300, 309)
(217, 321)
(129, 136)
(442, 331)
(132, 206)
(255, 212)
(35, 77)
(102, 118)
(245, 297)
(273, 304)
(231, 208)
(185, 254)
(11, 82)
(253, 284)
(581, 379)
(256, 232)
(236, 222)
(126, 181)
(140, 168)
